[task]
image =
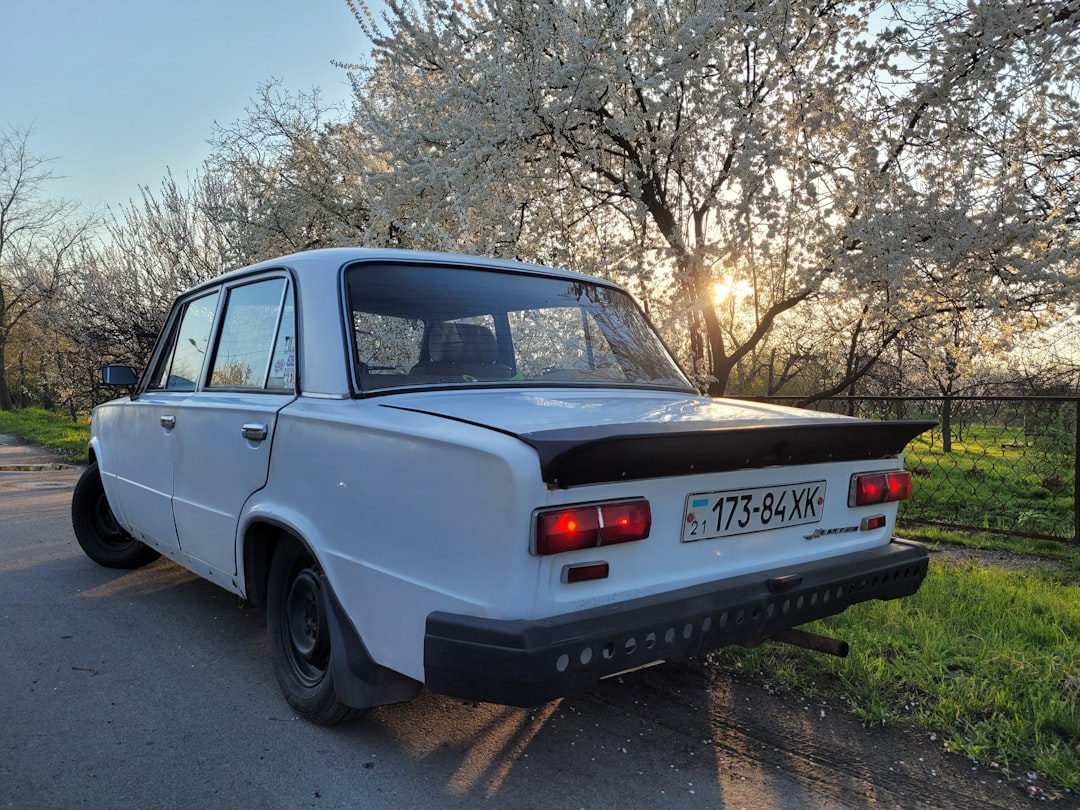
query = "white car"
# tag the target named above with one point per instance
(483, 477)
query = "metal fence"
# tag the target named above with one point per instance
(1004, 465)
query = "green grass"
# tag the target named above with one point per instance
(988, 659)
(48, 429)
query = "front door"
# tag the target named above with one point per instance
(141, 494)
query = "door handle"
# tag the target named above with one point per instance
(253, 432)
(168, 421)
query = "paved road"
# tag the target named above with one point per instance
(153, 688)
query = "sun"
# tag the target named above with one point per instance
(728, 289)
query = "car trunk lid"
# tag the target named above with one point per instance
(590, 437)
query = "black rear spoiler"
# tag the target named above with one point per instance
(596, 454)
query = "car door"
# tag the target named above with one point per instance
(145, 426)
(223, 432)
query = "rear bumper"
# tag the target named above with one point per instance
(526, 663)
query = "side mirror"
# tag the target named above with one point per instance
(119, 375)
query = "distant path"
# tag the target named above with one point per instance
(16, 456)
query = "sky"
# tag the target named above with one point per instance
(118, 92)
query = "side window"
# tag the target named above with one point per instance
(178, 369)
(250, 337)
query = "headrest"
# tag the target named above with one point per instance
(462, 343)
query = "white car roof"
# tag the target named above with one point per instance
(321, 260)
(318, 276)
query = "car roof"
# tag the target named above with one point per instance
(323, 260)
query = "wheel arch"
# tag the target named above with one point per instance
(359, 680)
(260, 541)
(94, 451)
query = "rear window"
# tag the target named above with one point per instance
(428, 325)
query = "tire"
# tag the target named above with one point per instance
(103, 539)
(300, 637)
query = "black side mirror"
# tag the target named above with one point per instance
(119, 375)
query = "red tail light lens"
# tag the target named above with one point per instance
(899, 486)
(567, 530)
(882, 487)
(624, 522)
(577, 527)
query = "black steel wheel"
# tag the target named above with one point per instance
(103, 539)
(300, 637)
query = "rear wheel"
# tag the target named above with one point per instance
(103, 539)
(300, 637)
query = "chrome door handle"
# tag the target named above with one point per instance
(168, 421)
(253, 432)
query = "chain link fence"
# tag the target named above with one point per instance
(1005, 465)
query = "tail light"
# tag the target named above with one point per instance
(576, 527)
(624, 522)
(880, 487)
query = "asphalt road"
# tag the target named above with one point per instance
(154, 688)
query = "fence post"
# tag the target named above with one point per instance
(1076, 471)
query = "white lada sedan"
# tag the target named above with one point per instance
(486, 478)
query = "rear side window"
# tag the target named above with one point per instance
(256, 348)
(283, 361)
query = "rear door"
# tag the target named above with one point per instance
(223, 433)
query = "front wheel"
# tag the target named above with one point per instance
(300, 637)
(100, 536)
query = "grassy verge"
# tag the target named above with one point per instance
(988, 659)
(48, 429)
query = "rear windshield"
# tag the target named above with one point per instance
(428, 325)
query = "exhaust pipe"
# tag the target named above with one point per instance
(812, 641)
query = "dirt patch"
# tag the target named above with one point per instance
(821, 742)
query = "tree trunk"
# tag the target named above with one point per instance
(5, 393)
(708, 348)
(721, 364)
(946, 424)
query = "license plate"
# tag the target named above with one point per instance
(742, 511)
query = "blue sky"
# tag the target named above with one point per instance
(119, 91)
